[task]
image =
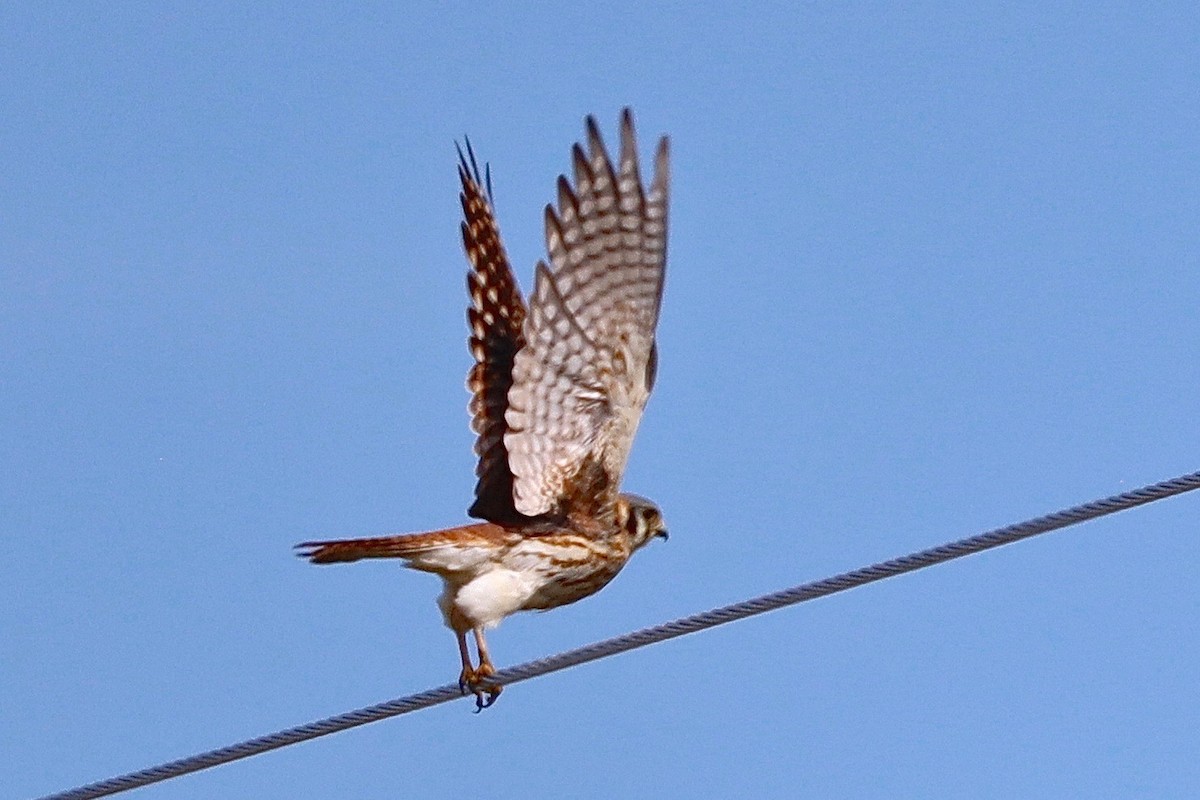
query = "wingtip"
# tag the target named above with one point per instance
(662, 160)
(595, 140)
(627, 125)
(566, 195)
(592, 127)
(468, 168)
(466, 161)
(578, 157)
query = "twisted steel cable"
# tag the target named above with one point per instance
(645, 636)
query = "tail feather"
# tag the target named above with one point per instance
(339, 550)
(409, 545)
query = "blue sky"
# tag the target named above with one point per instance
(933, 269)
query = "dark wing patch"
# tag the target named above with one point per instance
(496, 316)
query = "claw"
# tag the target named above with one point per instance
(490, 691)
(485, 694)
(467, 680)
(477, 683)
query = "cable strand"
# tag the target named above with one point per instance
(646, 636)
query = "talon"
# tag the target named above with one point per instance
(485, 692)
(467, 680)
(490, 691)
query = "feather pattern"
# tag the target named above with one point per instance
(582, 379)
(496, 316)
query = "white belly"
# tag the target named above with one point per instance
(488, 598)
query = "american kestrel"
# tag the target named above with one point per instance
(557, 391)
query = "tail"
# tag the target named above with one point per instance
(407, 546)
(339, 550)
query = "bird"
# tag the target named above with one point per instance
(558, 387)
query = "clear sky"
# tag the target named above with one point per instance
(932, 270)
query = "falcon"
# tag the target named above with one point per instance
(557, 391)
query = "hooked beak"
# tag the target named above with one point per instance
(662, 534)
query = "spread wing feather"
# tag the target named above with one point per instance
(496, 317)
(584, 374)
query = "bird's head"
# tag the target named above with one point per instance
(640, 518)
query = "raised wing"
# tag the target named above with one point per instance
(586, 370)
(496, 317)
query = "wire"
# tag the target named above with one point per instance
(641, 638)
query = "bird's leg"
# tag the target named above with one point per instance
(486, 670)
(471, 679)
(486, 667)
(468, 676)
